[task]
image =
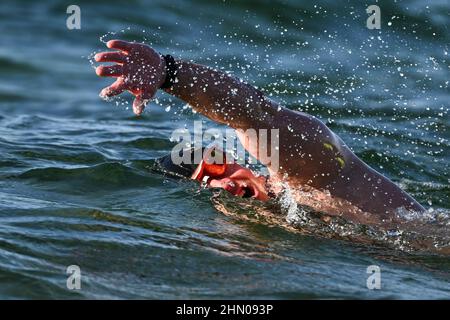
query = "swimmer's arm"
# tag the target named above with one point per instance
(222, 98)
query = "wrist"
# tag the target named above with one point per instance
(170, 72)
(163, 74)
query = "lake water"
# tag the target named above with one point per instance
(75, 184)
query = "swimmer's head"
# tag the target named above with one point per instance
(179, 170)
(232, 177)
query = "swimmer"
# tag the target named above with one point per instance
(311, 156)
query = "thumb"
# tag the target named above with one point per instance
(139, 104)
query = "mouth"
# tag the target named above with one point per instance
(241, 191)
(248, 192)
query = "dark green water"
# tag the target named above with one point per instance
(75, 187)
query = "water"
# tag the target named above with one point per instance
(75, 184)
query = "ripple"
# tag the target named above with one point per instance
(76, 185)
(105, 176)
(9, 65)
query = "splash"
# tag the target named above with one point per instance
(431, 215)
(412, 232)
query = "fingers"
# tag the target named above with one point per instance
(141, 101)
(117, 56)
(109, 71)
(139, 104)
(113, 90)
(120, 45)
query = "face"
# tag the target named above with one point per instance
(238, 181)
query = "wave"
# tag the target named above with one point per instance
(105, 176)
(9, 65)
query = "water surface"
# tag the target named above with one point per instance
(75, 184)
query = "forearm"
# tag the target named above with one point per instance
(221, 97)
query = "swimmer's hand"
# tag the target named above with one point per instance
(139, 69)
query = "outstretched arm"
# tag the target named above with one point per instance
(215, 94)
